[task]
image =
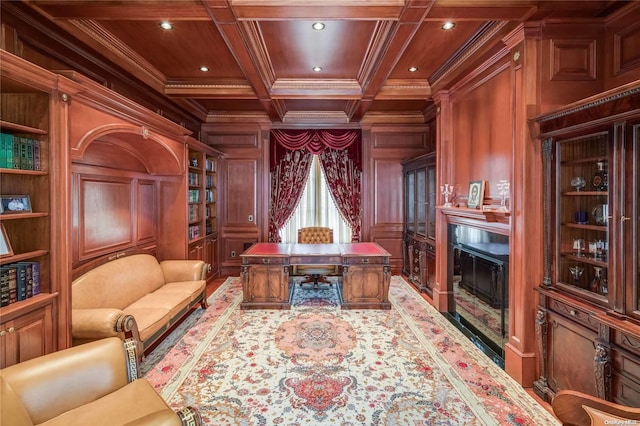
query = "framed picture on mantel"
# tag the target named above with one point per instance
(476, 194)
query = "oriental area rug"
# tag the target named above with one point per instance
(319, 365)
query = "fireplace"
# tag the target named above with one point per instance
(480, 284)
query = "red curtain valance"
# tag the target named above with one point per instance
(315, 141)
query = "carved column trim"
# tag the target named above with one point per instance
(541, 386)
(547, 160)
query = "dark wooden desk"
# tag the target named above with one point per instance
(365, 280)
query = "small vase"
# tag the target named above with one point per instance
(600, 179)
(596, 281)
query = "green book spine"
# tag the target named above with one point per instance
(16, 153)
(29, 143)
(9, 151)
(23, 154)
(37, 162)
(3, 149)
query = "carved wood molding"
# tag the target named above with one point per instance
(488, 220)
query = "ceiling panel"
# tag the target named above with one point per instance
(178, 53)
(294, 48)
(431, 47)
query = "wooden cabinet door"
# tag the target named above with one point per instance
(364, 287)
(571, 354)
(196, 251)
(266, 284)
(26, 337)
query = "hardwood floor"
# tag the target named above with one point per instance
(217, 282)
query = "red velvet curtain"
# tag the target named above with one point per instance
(340, 155)
(288, 179)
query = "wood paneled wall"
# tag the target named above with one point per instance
(385, 148)
(482, 125)
(244, 189)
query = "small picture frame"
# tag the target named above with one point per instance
(5, 246)
(476, 194)
(15, 204)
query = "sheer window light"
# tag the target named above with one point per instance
(316, 208)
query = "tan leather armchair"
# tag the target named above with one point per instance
(93, 384)
(316, 273)
(575, 408)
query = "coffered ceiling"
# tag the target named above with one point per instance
(260, 54)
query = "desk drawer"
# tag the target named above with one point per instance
(315, 260)
(260, 260)
(365, 260)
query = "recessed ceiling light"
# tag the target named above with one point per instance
(204, 68)
(318, 26)
(448, 25)
(413, 69)
(165, 25)
(317, 69)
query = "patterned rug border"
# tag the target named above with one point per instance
(513, 388)
(176, 381)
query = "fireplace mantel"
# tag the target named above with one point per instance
(490, 219)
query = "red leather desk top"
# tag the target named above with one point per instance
(268, 249)
(363, 249)
(285, 250)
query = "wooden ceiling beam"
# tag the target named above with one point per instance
(395, 44)
(131, 10)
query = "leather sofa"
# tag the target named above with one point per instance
(93, 384)
(135, 296)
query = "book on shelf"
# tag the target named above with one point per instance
(194, 231)
(20, 152)
(4, 287)
(21, 285)
(10, 274)
(33, 273)
(19, 281)
(6, 150)
(16, 153)
(193, 213)
(194, 195)
(194, 179)
(37, 158)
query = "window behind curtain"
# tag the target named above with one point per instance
(316, 208)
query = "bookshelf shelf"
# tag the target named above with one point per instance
(23, 256)
(22, 172)
(14, 216)
(15, 310)
(19, 128)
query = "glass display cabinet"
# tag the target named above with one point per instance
(418, 243)
(588, 320)
(581, 187)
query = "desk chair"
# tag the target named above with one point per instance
(315, 273)
(575, 408)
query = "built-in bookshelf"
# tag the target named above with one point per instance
(202, 205)
(27, 301)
